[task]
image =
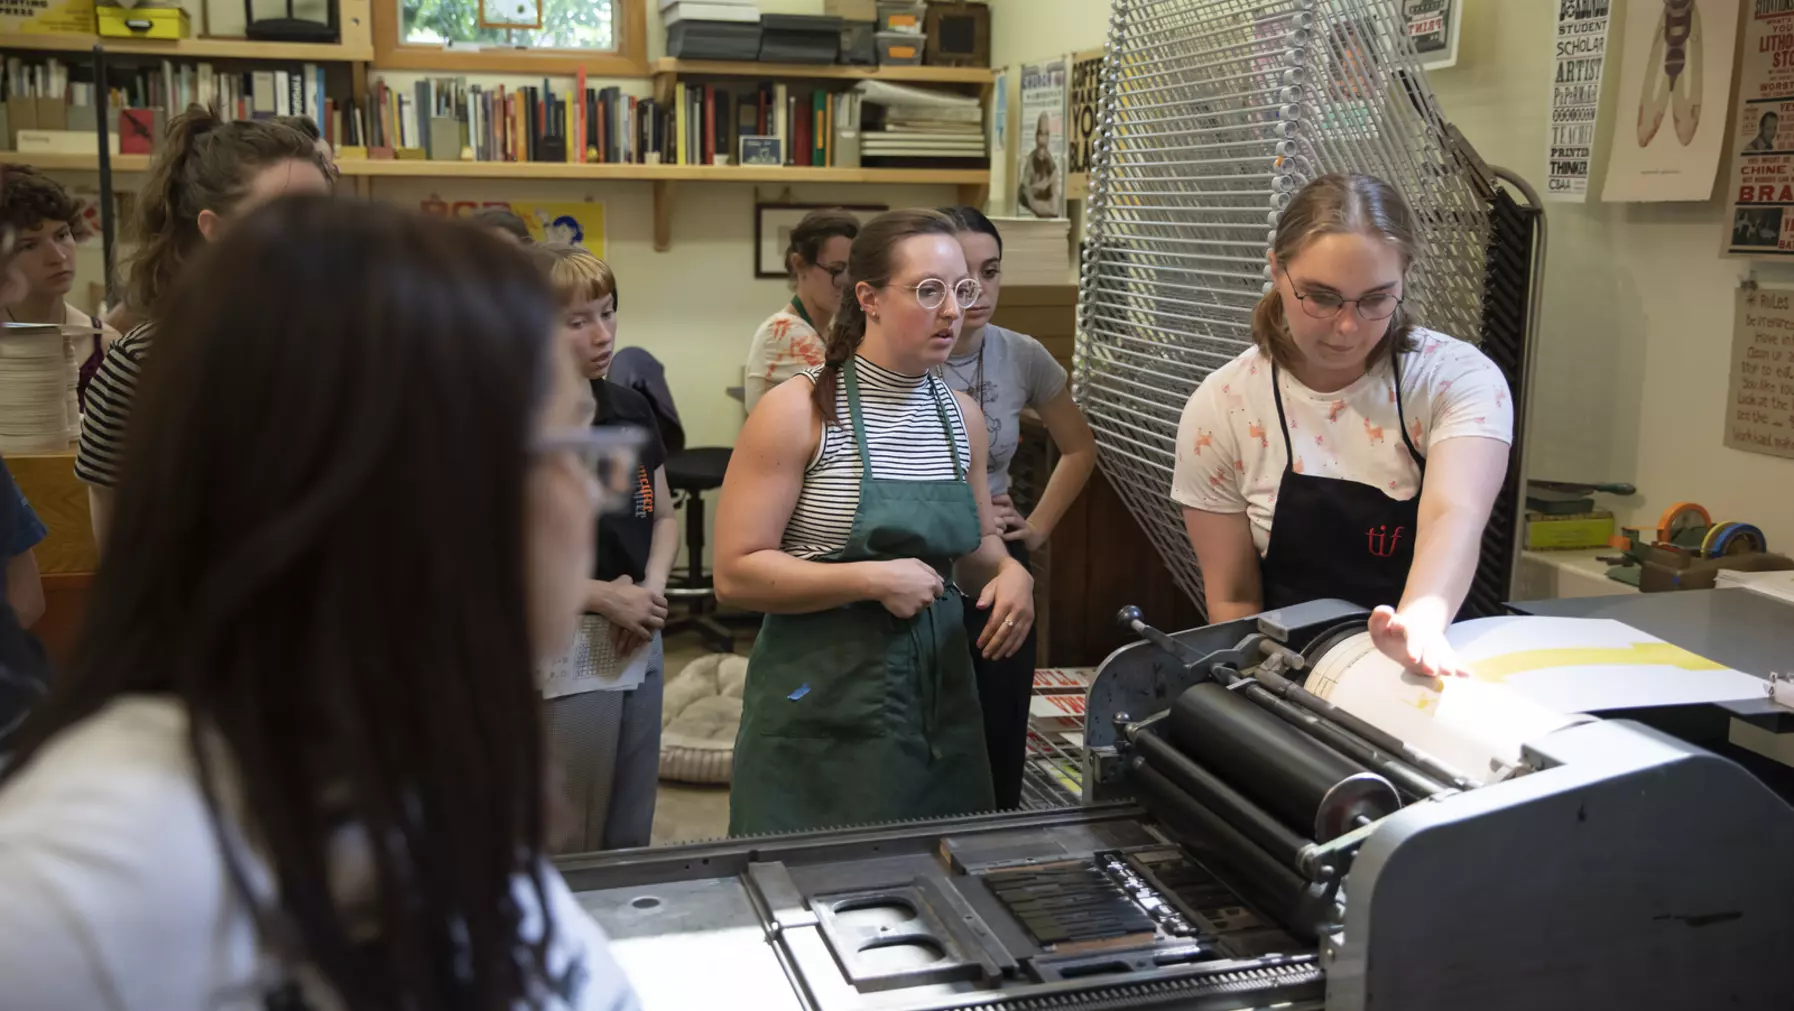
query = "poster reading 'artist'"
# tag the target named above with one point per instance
(1576, 96)
(1040, 141)
(1762, 180)
(1759, 410)
(1675, 85)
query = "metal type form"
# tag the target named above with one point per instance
(1214, 113)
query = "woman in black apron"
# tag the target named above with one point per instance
(1349, 453)
(854, 502)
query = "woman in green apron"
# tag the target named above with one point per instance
(854, 508)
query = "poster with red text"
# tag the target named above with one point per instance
(1761, 221)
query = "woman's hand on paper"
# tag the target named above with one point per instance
(638, 610)
(624, 643)
(1417, 642)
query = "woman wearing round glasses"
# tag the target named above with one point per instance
(1349, 453)
(855, 506)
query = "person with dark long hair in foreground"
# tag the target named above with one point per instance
(298, 761)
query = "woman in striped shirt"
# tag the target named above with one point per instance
(206, 173)
(853, 503)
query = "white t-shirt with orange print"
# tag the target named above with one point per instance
(1230, 450)
(783, 346)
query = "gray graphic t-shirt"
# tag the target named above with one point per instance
(1011, 371)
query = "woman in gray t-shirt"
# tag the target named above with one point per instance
(1007, 372)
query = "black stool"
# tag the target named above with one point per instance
(691, 473)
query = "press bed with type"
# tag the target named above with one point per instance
(1249, 843)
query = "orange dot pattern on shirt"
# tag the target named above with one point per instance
(1255, 430)
(1375, 432)
(806, 348)
(1204, 440)
(1334, 409)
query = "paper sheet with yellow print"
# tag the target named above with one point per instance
(1530, 676)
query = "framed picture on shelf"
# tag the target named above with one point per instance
(767, 152)
(773, 224)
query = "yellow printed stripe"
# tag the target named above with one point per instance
(1639, 654)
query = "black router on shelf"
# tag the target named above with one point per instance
(291, 28)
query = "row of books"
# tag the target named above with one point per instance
(771, 124)
(147, 96)
(450, 119)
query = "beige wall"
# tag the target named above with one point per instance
(1637, 313)
(696, 305)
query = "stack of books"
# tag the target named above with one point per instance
(1036, 250)
(908, 126)
(38, 372)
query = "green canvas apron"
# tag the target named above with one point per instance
(797, 306)
(853, 715)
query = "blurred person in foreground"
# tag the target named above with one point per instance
(298, 761)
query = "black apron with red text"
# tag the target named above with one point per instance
(1331, 537)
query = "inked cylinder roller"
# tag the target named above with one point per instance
(1310, 788)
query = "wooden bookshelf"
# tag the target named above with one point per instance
(823, 71)
(420, 169)
(973, 184)
(197, 49)
(395, 168)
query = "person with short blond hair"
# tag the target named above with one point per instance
(604, 721)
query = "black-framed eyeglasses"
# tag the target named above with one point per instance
(931, 293)
(1327, 304)
(835, 274)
